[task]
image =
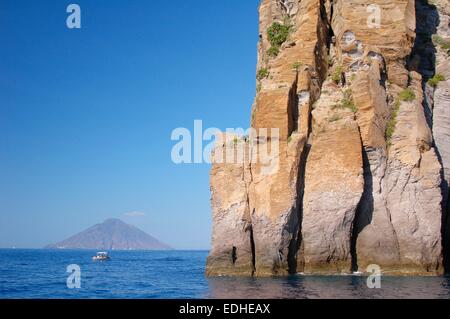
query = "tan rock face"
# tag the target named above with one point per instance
(395, 193)
(333, 187)
(412, 197)
(355, 25)
(441, 126)
(231, 252)
(357, 179)
(285, 103)
(439, 100)
(371, 101)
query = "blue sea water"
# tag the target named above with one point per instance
(180, 274)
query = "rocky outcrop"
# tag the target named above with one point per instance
(284, 102)
(396, 195)
(413, 195)
(360, 175)
(438, 97)
(441, 124)
(333, 188)
(288, 84)
(231, 252)
(380, 28)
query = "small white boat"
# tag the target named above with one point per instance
(101, 256)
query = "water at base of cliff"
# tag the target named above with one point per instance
(178, 275)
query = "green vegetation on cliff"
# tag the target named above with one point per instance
(347, 102)
(277, 34)
(392, 123)
(407, 95)
(262, 74)
(434, 81)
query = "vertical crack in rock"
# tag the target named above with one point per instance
(402, 181)
(234, 255)
(423, 55)
(333, 188)
(364, 211)
(252, 246)
(432, 61)
(333, 182)
(296, 261)
(413, 183)
(373, 236)
(284, 101)
(232, 248)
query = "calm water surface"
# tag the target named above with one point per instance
(180, 274)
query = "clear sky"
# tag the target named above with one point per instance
(86, 115)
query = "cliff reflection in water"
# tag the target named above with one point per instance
(332, 287)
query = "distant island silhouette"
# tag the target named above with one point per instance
(113, 234)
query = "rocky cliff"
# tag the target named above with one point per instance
(359, 93)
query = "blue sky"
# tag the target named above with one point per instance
(86, 115)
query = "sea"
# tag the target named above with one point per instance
(71, 274)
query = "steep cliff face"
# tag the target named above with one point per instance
(284, 102)
(361, 174)
(437, 64)
(232, 230)
(333, 188)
